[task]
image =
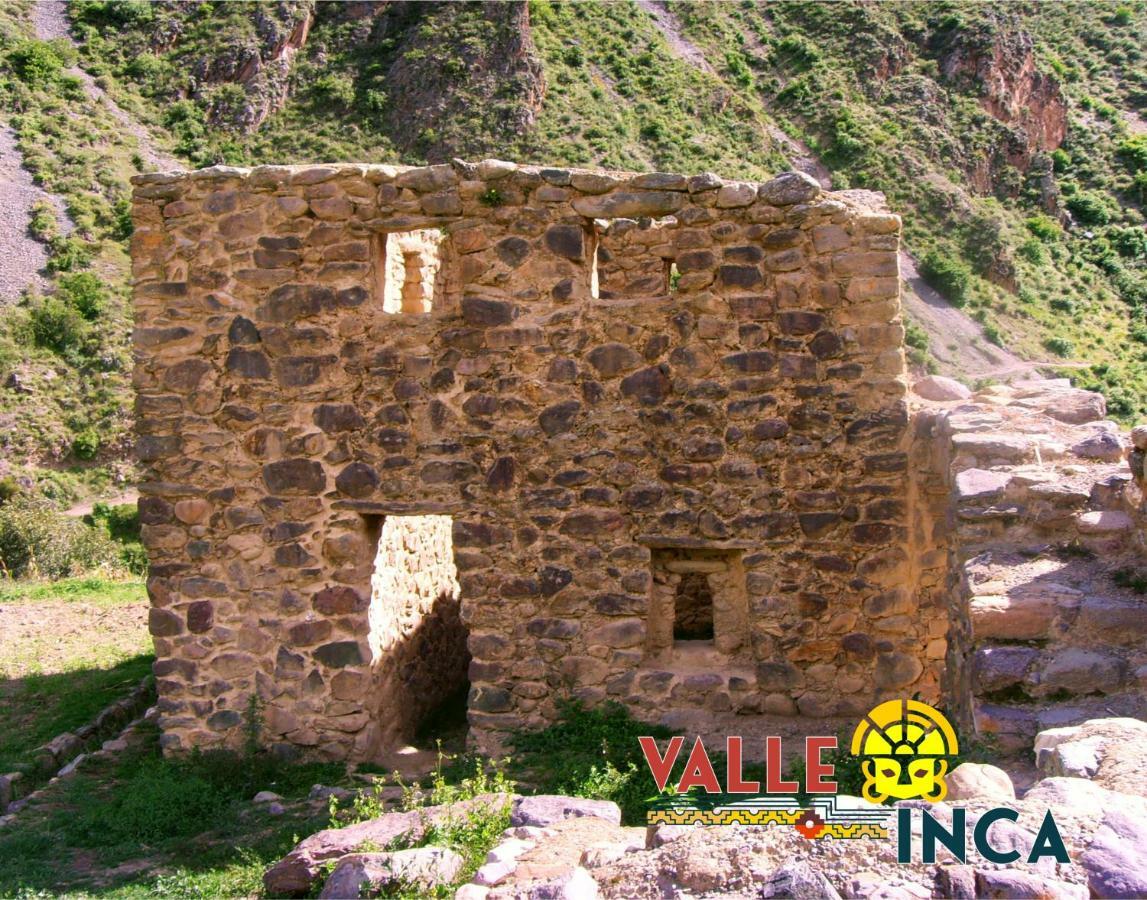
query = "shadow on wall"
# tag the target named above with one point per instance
(417, 635)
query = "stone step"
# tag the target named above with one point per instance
(1032, 673)
(1050, 596)
(1012, 727)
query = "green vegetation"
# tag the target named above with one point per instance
(88, 589)
(191, 817)
(42, 706)
(38, 541)
(591, 753)
(472, 834)
(70, 347)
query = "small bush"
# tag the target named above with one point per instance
(1063, 305)
(948, 275)
(37, 540)
(86, 444)
(56, 325)
(491, 197)
(1089, 208)
(85, 292)
(1043, 227)
(37, 63)
(1059, 346)
(1133, 152)
(1033, 251)
(1060, 161)
(42, 221)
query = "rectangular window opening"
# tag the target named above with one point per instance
(630, 258)
(698, 602)
(411, 271)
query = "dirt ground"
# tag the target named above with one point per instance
(45, 637)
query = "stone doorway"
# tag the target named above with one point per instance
(417, 639)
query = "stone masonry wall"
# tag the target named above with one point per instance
(594, 436)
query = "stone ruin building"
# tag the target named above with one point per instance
(535, 433)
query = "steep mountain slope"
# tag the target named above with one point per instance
(1011, 139)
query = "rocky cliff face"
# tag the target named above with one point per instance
(260, 63)
(1001, 65)
(429, 87)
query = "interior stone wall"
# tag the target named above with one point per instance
(572, 422)
(417, 641)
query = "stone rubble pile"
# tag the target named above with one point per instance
(576, 849)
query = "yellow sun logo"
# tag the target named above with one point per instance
(903, 745)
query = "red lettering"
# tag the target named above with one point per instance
(660, 767)
(733, 782)
(816, 771)
(774, 784)
(699, 771)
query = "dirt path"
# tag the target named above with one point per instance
(681, 46)
(51, 22)
(49, 636)
(957, 341)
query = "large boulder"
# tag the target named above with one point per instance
(974, 781)
(546, 809)
(1111, 752)
(362, 874)
(1115, 860)
(295, 873)
(941, 389)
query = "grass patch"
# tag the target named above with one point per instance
(591, 753)
(87, 589)
(188, 822)
(38, 707)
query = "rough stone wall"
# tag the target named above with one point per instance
(573, 423)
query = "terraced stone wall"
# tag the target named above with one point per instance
(609, 384)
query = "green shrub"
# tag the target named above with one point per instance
(36, 63)
(121, 520)
(1033, 251)
(42, 221)
(1060, 161)
(86, 444)
(69, 253)
(1133, 152)
(56, 325)
(947, 274)
(1130, 243)
(1043, 227)
(1059, 346)
(1089, 208)
(1063, 305)
(37, 540)
(85, 292)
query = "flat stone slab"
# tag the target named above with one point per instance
(981, 484)
(1108, 521)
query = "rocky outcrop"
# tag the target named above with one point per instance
(998, 63)
(261, 65)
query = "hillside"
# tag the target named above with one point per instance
(1013, 139)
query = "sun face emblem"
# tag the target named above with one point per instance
(902, 745)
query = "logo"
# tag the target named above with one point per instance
(905, 749)
(904, 746)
